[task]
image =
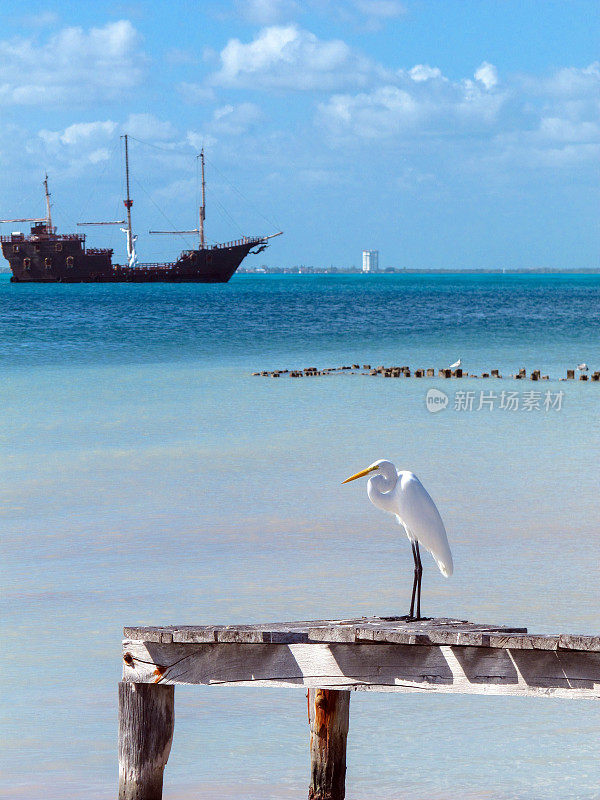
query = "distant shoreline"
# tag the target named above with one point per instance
(392, 271)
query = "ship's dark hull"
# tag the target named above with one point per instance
(65, 260)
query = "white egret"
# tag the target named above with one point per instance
(402, 494)
(456, 364)
(582, 367)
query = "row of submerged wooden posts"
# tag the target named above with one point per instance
(405, 372)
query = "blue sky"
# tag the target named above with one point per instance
(452, 134)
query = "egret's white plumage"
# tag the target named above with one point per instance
(456, 364)
(402, 494)
(583, 367)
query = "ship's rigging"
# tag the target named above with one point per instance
(199, 231)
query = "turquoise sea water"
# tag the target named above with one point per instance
(149, 478)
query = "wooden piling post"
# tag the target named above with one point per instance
(328, 716)
(146, 721)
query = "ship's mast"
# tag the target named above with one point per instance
(47, 219)
(201, 211)
(128, 203)
(48, 211)
(128, 231)
(203, 206)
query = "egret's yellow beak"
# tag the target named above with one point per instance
(360, 474)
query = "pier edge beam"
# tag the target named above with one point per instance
(146, 723)
(328, 717)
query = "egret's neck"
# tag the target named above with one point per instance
(380, 488)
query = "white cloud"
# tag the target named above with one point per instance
(80, 135)
(196, 92)
(90, 140)
(72, 66)
(234, 120)
(568, 156)
(199, 139)
(147, 126)
(487, 74)
(76, 147)
(361, 15)
(43, 19)
(565, 130)
(267, 12)
(423, 72)
(227, 121)
(370, 15)
(561, 125)
(379, 114)
(572, 81)
(556, 141)
(288, 57)
(474, 105)
(99, 155)
(384, 9)
(175, 190)
(535, 149)
(421, 97)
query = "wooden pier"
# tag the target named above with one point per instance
(331, 658)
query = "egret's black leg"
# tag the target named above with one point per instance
(415, 582)
(418, 573)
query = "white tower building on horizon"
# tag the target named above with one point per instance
(370, 261)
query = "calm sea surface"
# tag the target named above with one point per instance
(149, 478)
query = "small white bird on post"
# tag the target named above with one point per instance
(582, 367)
(402, 494)
(456, 364)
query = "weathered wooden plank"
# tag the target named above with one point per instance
(393, 630)
(370, 667)
(328, 717)
(522, 642)
(332, 633)
(368, 629)
(241, 635)
(195, 635)
(146, 722)
(147, 634)
(574, 642)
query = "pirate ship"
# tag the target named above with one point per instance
(45, 256)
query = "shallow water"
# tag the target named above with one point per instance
(149, 478)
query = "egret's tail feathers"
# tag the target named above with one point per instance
(446, 566)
